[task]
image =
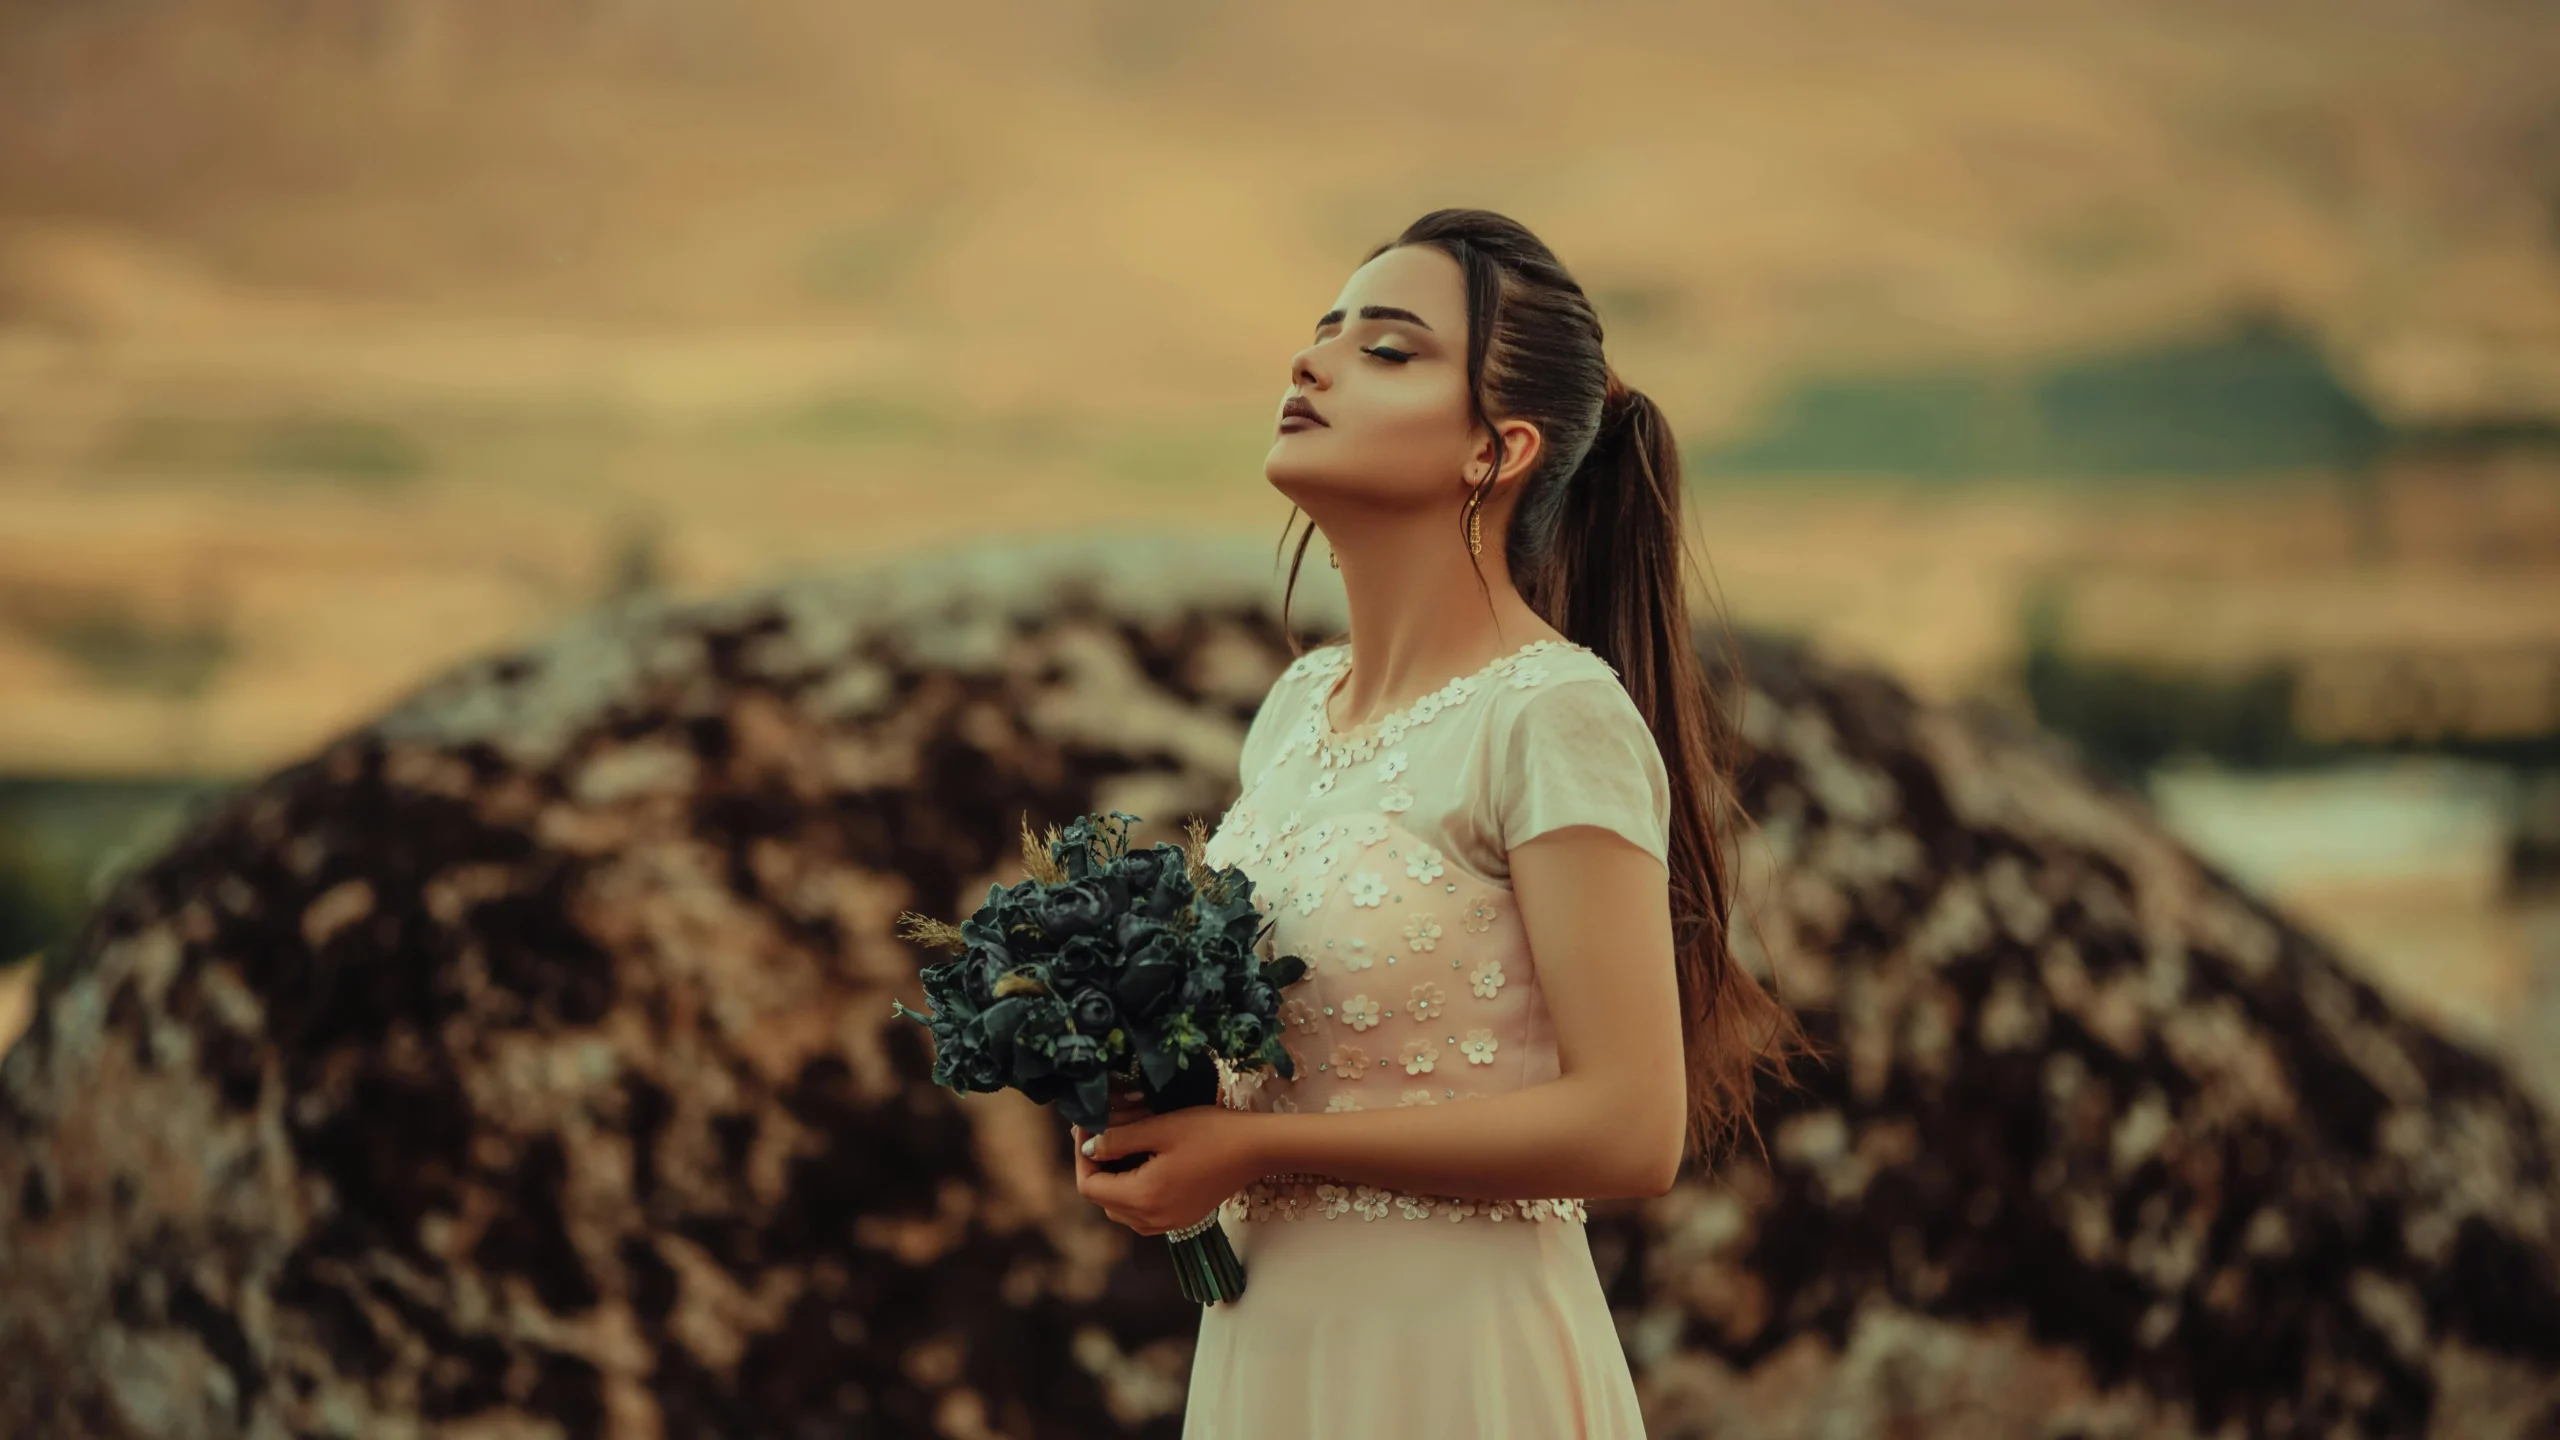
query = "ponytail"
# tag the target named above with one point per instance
(1614, 578)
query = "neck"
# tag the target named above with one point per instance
(1417, 616)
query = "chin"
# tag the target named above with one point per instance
(1292, 472)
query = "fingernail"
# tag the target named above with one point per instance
(1089, 1144)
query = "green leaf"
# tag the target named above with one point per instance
(1094, 1093)
(1156, 1063)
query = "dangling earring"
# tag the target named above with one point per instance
(1475, 523)
(1331, 558)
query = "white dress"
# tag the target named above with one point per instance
(1381, 853)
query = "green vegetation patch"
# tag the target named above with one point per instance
(118, 648)
(2257, 399)
(856, 419)
(344, 449)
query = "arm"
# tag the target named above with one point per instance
(1598, 915)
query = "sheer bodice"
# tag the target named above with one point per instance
(1381, 853)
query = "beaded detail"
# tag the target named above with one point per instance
(1299, 1197)
(1314, 734)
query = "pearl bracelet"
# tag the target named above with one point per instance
(1187, 1231)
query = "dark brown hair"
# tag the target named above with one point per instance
(1597, 547)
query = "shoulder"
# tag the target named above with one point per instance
(1568, 709)
(1559, 678)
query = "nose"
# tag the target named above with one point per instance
(1303, 372)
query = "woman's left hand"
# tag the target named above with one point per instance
(1203, 1154)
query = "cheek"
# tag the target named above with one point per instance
(1424, 441)
(1419, 421)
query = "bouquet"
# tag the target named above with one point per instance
(1109, 969)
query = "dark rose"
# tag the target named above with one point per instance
(1080, 961)
(1224, 955)
(980, 967)
(1168, 891)
(1258, 999)
(1201, 989)
(1136, 931)
(1080, 907)
(1139, 868)
(1093, 1011)
(985, 1070)
(963, 1055)
(1009, 918)
(1243, 1034)
(1147, 979)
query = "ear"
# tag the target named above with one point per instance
(1524, 446)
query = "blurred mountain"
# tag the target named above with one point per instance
(1172, 187)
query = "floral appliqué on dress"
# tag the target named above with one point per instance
(1337, 871)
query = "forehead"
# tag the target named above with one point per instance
(1412, 277)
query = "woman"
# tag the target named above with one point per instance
(1496, 831)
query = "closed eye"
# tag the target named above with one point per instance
(1386, 353)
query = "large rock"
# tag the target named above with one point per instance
(523, 1064)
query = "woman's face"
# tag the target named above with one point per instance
(1387, 376)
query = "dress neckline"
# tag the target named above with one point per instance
(1335, 672)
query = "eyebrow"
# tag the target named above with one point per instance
(1376, 312)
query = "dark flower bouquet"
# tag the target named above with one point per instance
(1110, 969)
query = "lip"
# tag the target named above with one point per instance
(1297, 413)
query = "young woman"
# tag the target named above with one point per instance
(1495, 823)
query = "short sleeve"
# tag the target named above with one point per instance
(1578, 752)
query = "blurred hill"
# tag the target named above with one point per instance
(337, 342)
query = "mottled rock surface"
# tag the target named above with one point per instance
(522, 1064)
